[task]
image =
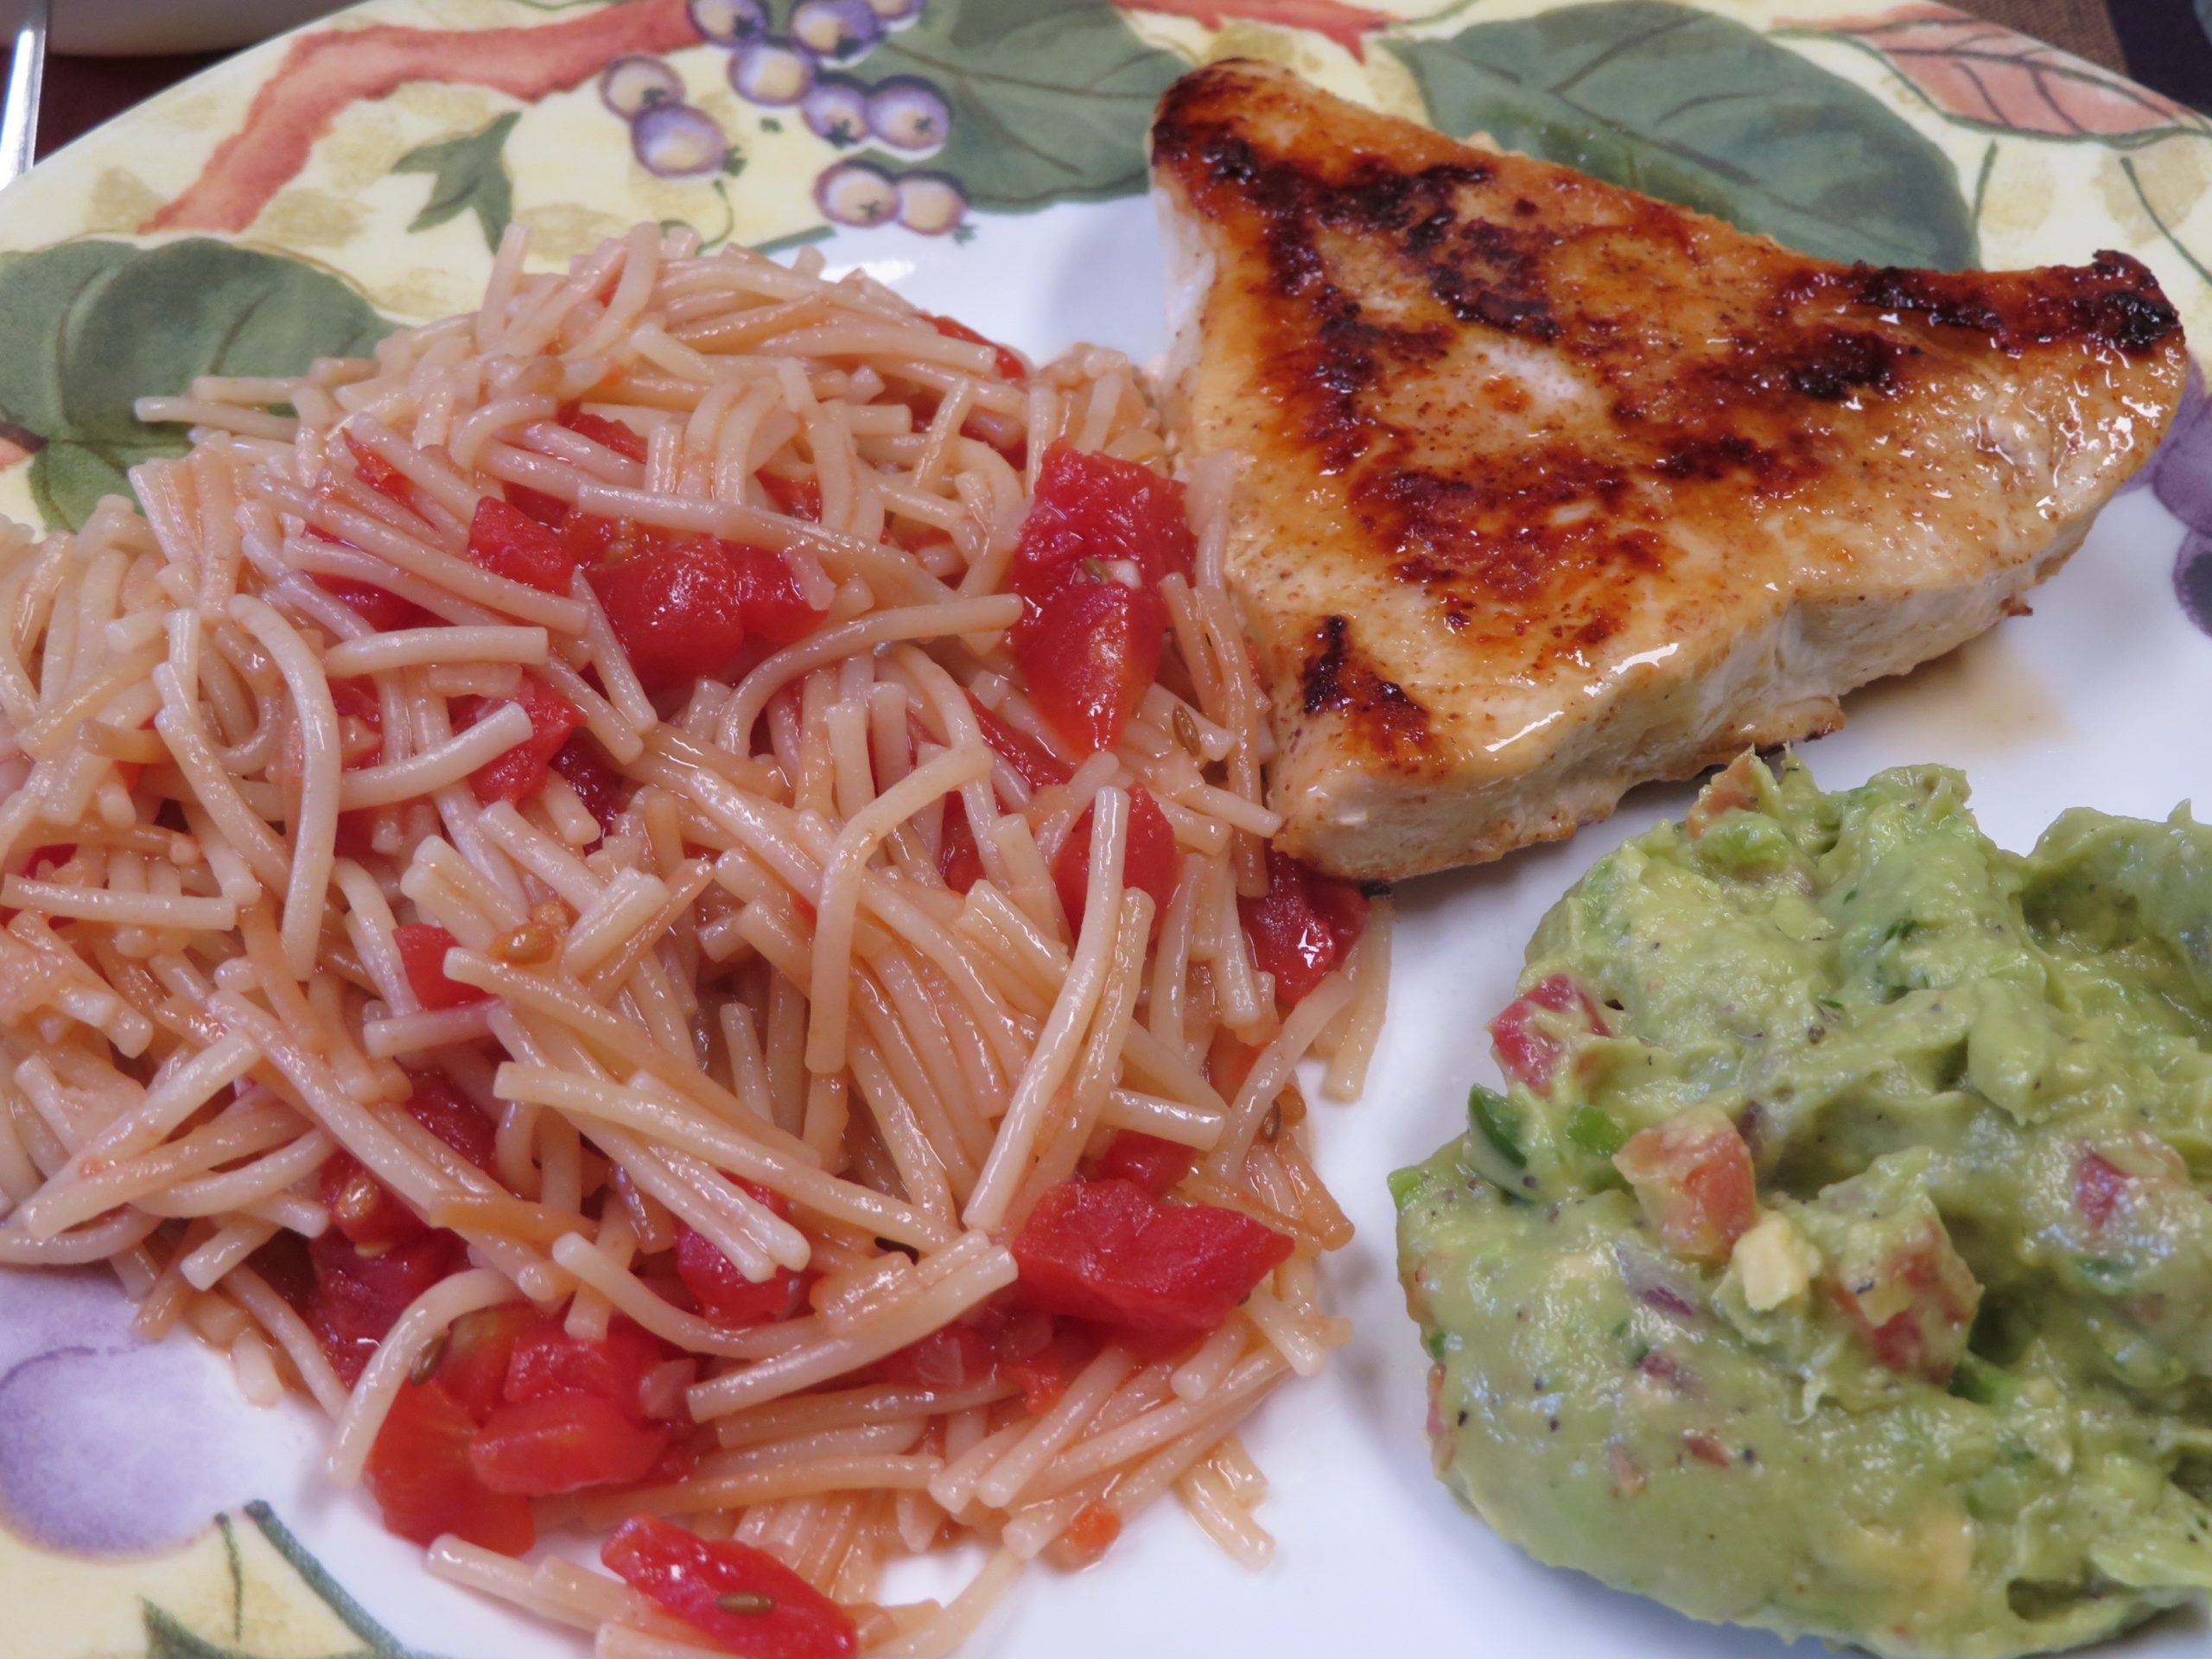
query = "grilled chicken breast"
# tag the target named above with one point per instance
(1547, 489)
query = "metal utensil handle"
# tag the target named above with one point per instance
(19, 109)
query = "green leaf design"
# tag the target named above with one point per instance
(1051, 99)
(166, 1638)
(468, 174)
(86, 328)
(1707, 113)
(380, 1643)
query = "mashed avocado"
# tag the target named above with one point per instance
(1839, 1259)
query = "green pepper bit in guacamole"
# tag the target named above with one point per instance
(1839, 1259)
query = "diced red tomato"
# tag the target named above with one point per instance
(418, 1470)
(379, 607)
(1159, 1274)
(423, 948)
(547, 510)
(370, 1214)
(1087, 649)
(1526, 1052)
(1693, 1176)
(799, 497)
(479, 1345)
(357, 1296)
(2099, 1185)
(1229, 1062)
(1302, 927)
(623, 440)
(376, 472)
(1038, 765)
(509, 542)
(768, 594)
(562, 1443)
(355, 696)
(1148, 1160)
(519, 772)
(592, 775)
(1147, 861)
(1092, 506)
(959, 862)
(1010, 364)
(593, 540)
(546, 1360)
(1043, 1377)
(1093, 1530)
(953, 1357)
(1914, 1307)
(742, 1598)
(727, 1296)
(678, 612)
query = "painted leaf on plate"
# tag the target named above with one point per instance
(1709, 113)
(1992, 78)
(86, 328)
(167, 1639)
(1049, 99)
(468, 174)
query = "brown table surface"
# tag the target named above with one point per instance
(2162, 44)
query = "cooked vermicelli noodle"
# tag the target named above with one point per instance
(409, 946)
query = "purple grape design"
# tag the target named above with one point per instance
(908, 113)
(2180, 475)
(836, 31)
(676, 141)
(837, 110)
(773, 74)
(853, 193)
(630, 87)
(730, 23)
(931, 204)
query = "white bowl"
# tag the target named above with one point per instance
(126, 27)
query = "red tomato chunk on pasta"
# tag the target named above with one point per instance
(1036, 765)
(742, 1599)
(1100, 536)
(1148, 861)
(562, 1443)
(423, 948)
(1145, 1160)
(520, 772)
(1092, 506)
(1088, 649)
(683, 611)
(376, 472)
(1302, 927)
(1006, 360)
(379, 607)
(801, 497)
(598, 784)
(478, 1347)
(358, 1295)
(547, 1361)
(370, 1214)
(420, 1474)
(625, 440)
(1526, 1053)
(1158, 1274)
(509, 542)
(725, 1294)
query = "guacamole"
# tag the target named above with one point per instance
(1839, 1258)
